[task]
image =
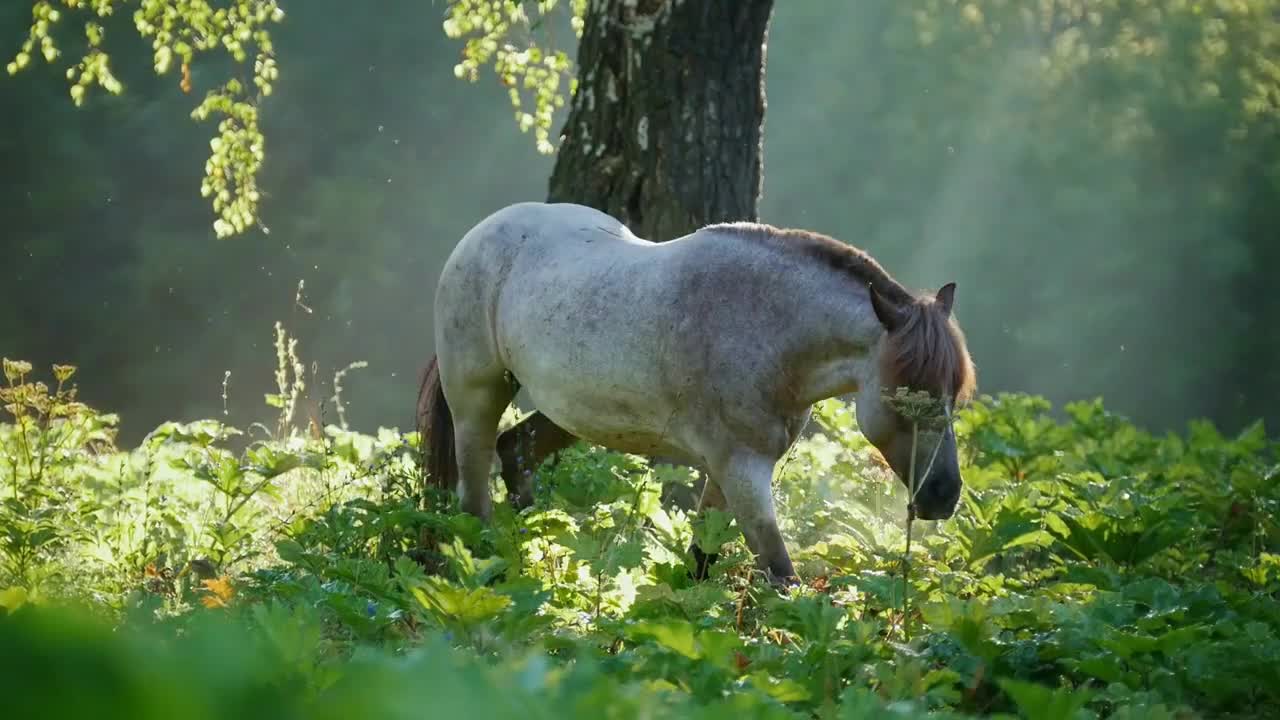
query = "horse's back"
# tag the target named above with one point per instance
(516, 241)
(537, 225)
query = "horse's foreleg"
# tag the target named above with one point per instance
(523, 448)
(747, 485)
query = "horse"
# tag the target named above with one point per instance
(710, 349)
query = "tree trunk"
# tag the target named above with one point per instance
(664, 132)
(666, 126)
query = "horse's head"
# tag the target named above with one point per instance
(923, 353)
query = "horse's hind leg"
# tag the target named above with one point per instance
(477, 406)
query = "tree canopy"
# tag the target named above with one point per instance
(179, 30)
(499, 34)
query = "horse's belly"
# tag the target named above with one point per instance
(622, 421)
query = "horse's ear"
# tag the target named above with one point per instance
(946, 297)
(889, 315)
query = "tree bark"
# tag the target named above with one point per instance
(665, 133)
(665, 129)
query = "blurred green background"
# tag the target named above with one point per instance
(1099, 183)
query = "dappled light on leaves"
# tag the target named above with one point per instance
(218, 592)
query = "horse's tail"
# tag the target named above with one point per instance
(435, 430)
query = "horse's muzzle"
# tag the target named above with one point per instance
(939, 497)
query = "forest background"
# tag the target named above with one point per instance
(1102, 192)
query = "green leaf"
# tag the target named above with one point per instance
(1044, 703)
(676, 635)
(270, 461)
(291, 551)
(712, 529)
(1054, 522)
(450, 602)
(781, 689)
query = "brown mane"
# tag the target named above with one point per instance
(840, 256)
(927, 352)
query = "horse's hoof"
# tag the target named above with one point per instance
(785, 583)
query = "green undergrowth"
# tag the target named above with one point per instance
(1092, 570)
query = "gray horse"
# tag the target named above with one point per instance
(709, 349)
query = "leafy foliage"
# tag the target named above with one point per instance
(179, 30)
(503, 35)
(1094, 570)
(523, 53)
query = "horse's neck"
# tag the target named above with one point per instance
(836, 359)
(829, 347)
